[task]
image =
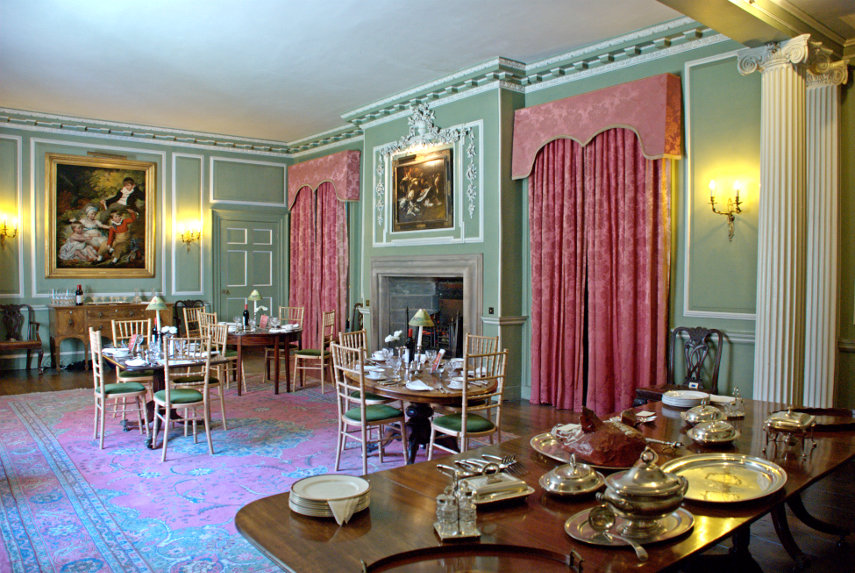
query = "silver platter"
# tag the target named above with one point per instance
(672, 525)
(727, 477)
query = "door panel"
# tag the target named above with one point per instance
(250, 253)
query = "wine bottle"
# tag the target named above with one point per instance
(78, 295)
(245, 316)
(411, 344)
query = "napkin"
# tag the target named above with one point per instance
(343, 508)
(136, 362)
(417, 385)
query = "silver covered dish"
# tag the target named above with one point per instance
(713, 433)
(644, 494)
(702, 413)
(572, 479)
(789, 421)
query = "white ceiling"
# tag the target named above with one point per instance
(288, 69)
(272, 69)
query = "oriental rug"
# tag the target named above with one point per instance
(69, 507)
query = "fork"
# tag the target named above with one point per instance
(507, 463)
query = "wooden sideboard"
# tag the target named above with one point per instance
(74, 322)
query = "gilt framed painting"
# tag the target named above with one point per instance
(100, 217)
(423, 191)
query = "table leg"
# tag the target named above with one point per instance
(239, 373)
(782, 528)
(287, 351)
(418, 428)
(276, 366)
(798, 507)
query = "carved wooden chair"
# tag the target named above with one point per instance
(701, 351)
(15, 317)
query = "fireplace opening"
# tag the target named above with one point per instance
(441, 297)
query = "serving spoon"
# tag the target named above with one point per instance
(601, 519)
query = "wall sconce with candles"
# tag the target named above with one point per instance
(733, 206)
(189, 233)
(8, 228)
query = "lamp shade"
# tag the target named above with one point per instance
(156, 303)
(421, 318)
(255, 295)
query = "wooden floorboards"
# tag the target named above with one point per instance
(831, 499)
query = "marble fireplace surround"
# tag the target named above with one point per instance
(468, 267)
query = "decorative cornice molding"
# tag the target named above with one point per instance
(773, 55)
(821, 71)
(494, 320)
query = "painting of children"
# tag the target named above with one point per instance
(101, 216)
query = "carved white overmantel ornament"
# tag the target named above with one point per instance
(823, 79)
(423, 132)
(780, 326)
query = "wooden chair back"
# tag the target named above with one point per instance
(289, 314)
(179, 316)
(191, 321)
(219, 334)
(349, 378)
(475, 344)
(124, 329)
(358, 339)
(327, 328)
(95, 347)
(484, 369)
(701, 355)
(206, 319)
(14, 318)
(186, 357)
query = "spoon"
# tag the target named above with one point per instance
(601, 519)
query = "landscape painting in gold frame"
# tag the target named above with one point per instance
(100, 217)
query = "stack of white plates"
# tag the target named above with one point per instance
(311, 496)
(683, 398)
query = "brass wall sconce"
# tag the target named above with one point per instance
(8, 229)
(189, 234)
(732, 209)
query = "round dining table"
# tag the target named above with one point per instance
(419, 402)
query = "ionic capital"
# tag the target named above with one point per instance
(773, 55)
(821, 71)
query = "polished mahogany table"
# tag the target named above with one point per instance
(402, 509)
(266, 338)
(419, 409)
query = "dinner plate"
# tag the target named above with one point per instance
(374, 376)
(727, 477)
(683, 398)
(374, 369)
(330, 486)
(715, 399)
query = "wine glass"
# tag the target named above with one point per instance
(396, 366)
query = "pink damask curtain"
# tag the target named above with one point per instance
(600, 220)
(556, 220)
(319, 258)
(628, 236)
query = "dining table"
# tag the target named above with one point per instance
(421, 391)
(277, 338)
(397, 526)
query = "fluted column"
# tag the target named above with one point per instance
(780, 327)
(823, 227)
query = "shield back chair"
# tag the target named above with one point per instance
(180, 393)
(318, 358)
(701, 349)
(122, 332)
(287, 315)
(191, 321)
(21, 332)
(357, 419)
(359, 339)
(113, 391)
(480, 417)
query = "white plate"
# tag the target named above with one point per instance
(374, 376)
(456, 384)
(330, 486)
(715, 399)
(136, 362)
(683, 398)
(418, 386)
(374, 369)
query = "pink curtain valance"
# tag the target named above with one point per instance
(340, 169)
(651, 107)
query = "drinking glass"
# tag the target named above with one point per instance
(252, 324)
(396, 366)
(238, 322)
(274, 322)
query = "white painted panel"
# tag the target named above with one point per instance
(262, 268)
(236, 236)
(236, 269)
(262, 236)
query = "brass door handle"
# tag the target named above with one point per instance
(226, 291)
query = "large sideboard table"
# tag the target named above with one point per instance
(74, 322)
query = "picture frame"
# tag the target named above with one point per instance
(423, 190)
(100, 217)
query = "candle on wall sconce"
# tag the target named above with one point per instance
(732, 209)
(189, 233)
(8, 228)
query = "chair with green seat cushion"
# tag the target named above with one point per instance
(370, 398)
(357, 419)
(189, 397)
(114, 391)
(480, 412)
(359, 339)
(317, 358)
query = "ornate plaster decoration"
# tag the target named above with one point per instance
(773, 55)
(425, 133)
(821, 71)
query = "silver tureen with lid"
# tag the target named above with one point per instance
(572, 479)
(644, 494)
(713, 433)
(705, 412)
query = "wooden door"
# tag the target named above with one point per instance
(248, 256)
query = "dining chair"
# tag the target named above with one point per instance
(317, 358)
(480, 416)
(206, 319)
(114, 391)
(123, 330)
(475, 344)
(287, 315)
(358, 420)
(357, 339)
(185, 359)
(218, 334)
(191, 321)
